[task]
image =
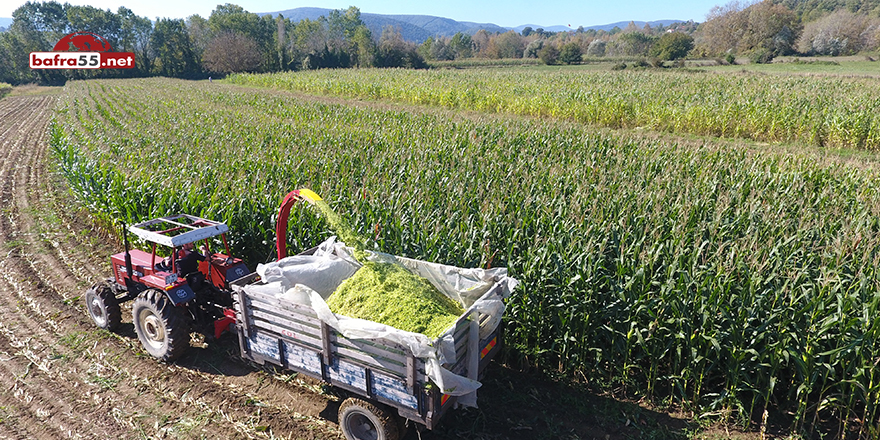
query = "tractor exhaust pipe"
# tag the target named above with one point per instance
(128, 268)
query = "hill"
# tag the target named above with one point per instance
(418, 28)
(602, 27)
(639, 24)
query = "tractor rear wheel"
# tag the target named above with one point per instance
(362, 420)
(103, 307)
(160, 325)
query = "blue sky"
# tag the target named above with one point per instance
(507, 13)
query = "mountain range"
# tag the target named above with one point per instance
(418, 28)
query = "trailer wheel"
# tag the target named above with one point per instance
(103, 307)
(160, 325)
(361, 420)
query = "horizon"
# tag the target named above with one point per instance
(555, 13)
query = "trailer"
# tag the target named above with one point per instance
(380, 372)
(388, 385)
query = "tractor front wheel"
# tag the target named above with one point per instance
(160, 325)
(362, 420)
(103, 306)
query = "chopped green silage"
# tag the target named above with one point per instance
(392, 295)
(343, 230)
(387, 293)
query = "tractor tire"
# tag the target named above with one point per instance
(362, 420)
(160, 325)
(103, 307)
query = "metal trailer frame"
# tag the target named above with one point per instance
(290, 335)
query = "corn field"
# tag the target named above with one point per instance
(833, 112)
(709, 275)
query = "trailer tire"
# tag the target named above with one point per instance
(362, 420)
(160, 325)
(103, 306)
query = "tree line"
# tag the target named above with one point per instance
(759, 30)
(663, 42)
(231, 39)
(771, 28)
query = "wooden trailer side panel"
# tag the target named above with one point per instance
(291, 336)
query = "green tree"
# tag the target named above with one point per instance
(36, 27)
(365, 48)
(90, 19)
(673, 46)
(338, 40)
(634, 44)
(307, 40)
(596, 48)
(200, 34)
(771, 27)
(134, 37)
(425, 48)
(174, 55)
(281, 25)
(508, 45)
(14, 65)
(341, 28)
(532, 49)
(549, 54)
(441, 50)
(343, 24)
(570, 53)
(48, 19)
(462, 46)
(436, 49)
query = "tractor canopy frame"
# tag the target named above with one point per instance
(177, 230)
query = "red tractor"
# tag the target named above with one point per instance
(175, 296)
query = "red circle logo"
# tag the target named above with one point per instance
(82, 42)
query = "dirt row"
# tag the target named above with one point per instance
(61, 377)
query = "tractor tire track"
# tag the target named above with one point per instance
(60, 377)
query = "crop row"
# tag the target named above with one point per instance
(834, 112)
(707, 275)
